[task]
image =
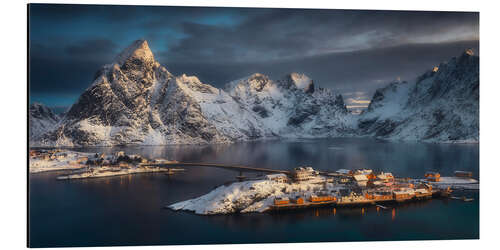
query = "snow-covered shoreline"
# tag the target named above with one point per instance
(245, 197)
(259, 195)
(92, 165)
(109, 173)
(63, 160)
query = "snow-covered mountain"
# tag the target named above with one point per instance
(442, 105)
(41, 120)
(291, 107)
(135, 100)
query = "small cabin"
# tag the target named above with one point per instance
(322, 198)
(404, 194)
(360, 177)
(379, 196)
(363, 171)
(279, 178)
(298, 200)
(371, 176)
(422, 191)
(382, 196)
(375, 183)
(281, 201)
(464, 174)
(385, 176)
(303, 173)
(433, 176)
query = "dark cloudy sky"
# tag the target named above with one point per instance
(353, 52)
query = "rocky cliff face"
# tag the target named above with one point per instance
(41, 120)
(442, 105)
(135, 100)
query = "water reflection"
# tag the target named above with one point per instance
(401, 158)
(131, 209)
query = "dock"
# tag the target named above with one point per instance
(346, 203)
(306, 204)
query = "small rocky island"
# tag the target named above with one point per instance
(93, 165)
(306, 187)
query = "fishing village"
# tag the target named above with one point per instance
(304, 187)
(272, 189)
(363, 186)
(94, 165)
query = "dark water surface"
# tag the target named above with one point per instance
(129, 210)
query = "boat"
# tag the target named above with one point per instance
(383, 207)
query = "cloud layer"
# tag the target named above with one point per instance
(347, 50)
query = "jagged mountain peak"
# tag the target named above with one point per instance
(299, 81)
(39, 110)
(256, 81)
(194, 84)
(135, 100)
(37, 106)
(187, 78)
(41, 120)
(440, 105)
(138, 50)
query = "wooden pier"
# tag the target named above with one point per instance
(306, 204)
(353, 203)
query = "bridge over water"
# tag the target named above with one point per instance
(239, 168)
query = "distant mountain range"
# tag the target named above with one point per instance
(135, 100)
(41, 120)
(442, 105)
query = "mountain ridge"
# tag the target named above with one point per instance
(441, 105)
(135, 100)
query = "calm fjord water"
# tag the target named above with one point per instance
(130, 210)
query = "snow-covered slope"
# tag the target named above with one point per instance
(442, 105)
(41, 120)
(291, 107)
(135, 100)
